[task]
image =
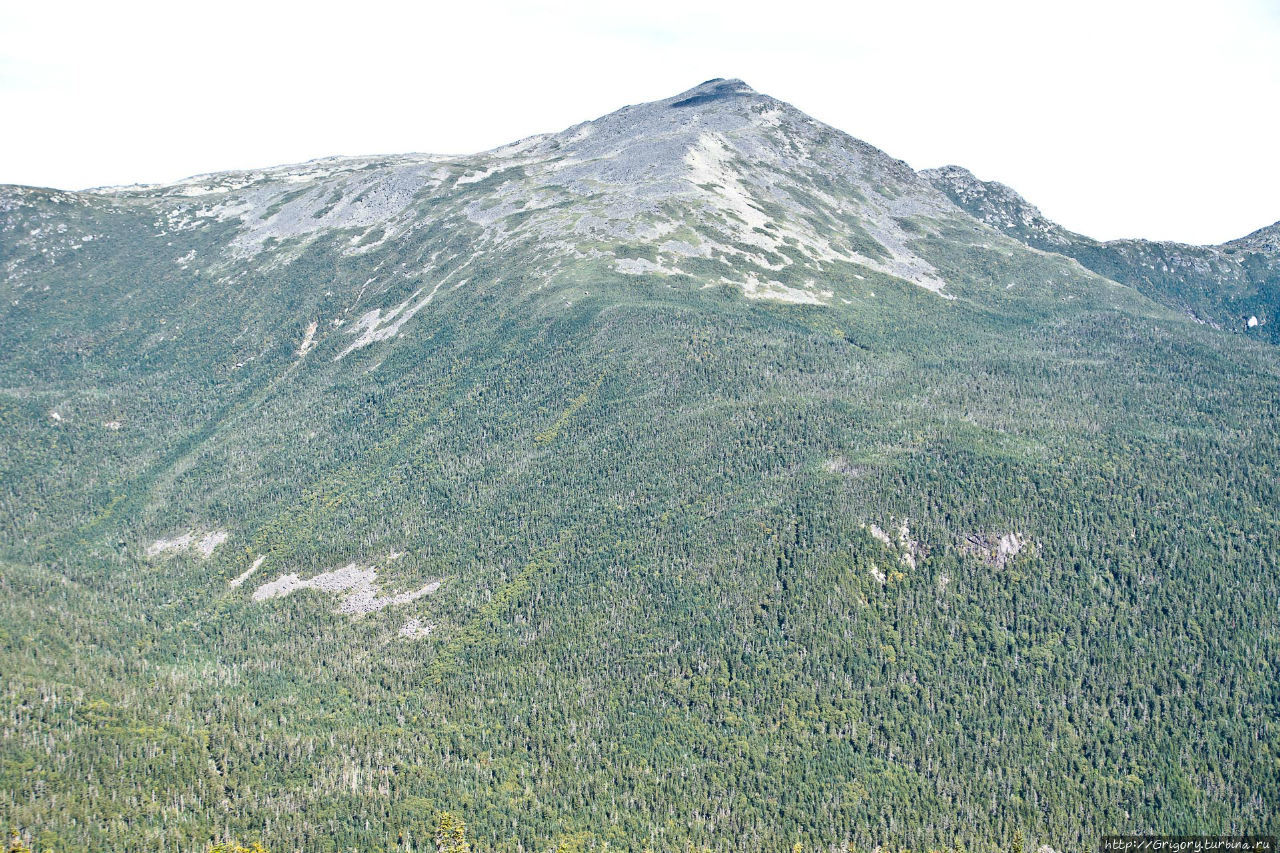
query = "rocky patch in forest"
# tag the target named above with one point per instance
(415, 629)
(202, 542)
(898, 539)
(357, 585)
(996, 549)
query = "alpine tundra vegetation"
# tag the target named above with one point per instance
(697, 476)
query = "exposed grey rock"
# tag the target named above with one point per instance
(996, 549)
(1265, 240)
(717, 172)
(998, 205)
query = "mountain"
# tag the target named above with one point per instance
(1234, 286)
(697, 475)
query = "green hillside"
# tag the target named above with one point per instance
(771, 498)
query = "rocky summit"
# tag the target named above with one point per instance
(696, 477)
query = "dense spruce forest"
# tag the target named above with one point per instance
(635, 560)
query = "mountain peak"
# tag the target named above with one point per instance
(715, 89)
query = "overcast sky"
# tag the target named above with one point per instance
(1152, 118)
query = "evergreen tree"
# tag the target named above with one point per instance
(451, 835)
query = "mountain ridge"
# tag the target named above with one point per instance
(1233, 285)
(669, 142)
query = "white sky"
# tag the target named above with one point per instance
(1152, 118)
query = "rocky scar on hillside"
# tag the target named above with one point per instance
(357, 586)
(202, 542)
(997, 550)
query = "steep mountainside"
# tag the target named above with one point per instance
(698, 475)
(1235, 286)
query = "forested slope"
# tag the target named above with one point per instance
(728, 503)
